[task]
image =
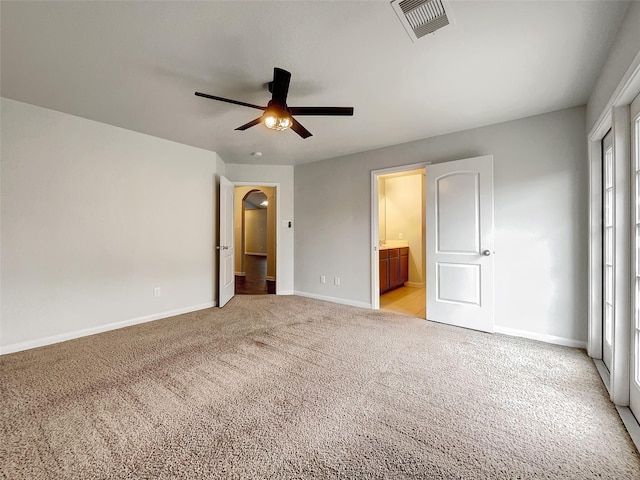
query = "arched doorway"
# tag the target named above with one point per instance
(255, 225)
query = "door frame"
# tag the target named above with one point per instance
(278, 201)
(375, 266)
(614, 116)
(617, 379)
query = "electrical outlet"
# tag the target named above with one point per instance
(401, 236)
(323, 279)
(156, 292)
(336, 281)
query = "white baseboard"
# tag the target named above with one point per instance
(285, 292)
(415, 284)
(626, 415)
(631, 424)
(256, 253)
(63, 337)
(341, 301)
(566, 342)
(604, 373)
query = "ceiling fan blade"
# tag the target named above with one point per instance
(280, 87)
(250, 124)
(299, 129)
(228, 100)
(333, 111)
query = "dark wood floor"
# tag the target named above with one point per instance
(255, 282)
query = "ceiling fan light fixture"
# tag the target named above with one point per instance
(277, 119)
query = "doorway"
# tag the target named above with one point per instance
(455, 214)
(402, 241)
(255, 240)
(614, 269)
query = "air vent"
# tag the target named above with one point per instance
(422, 17)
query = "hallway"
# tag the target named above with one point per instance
(255, 281)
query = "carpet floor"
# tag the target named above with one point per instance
(278, 387)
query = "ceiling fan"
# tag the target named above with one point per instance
(277, 115)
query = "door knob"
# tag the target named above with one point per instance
(486, 253)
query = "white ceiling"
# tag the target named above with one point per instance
(137, 65)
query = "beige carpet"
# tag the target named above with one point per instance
(287, 387)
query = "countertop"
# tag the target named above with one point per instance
(393, 244)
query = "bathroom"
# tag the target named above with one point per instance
(402, 241)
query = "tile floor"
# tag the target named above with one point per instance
(407, 300)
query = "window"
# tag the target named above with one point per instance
(635, 215)
(608, 243)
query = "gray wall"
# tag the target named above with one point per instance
(540, 219)
(625, 48)
(94, 217)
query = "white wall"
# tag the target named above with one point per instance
(382, 210)
(93, 218)
(540, 219)
(282, 175)
(623, 54)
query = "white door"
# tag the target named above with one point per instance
(608, 242)
(634, 391)
(226, 264)
(460, 243)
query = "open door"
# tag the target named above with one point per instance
(460, 243)
(226, 264)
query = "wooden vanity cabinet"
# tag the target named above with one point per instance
(384, 270)
(404, 266)
(394, 268)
